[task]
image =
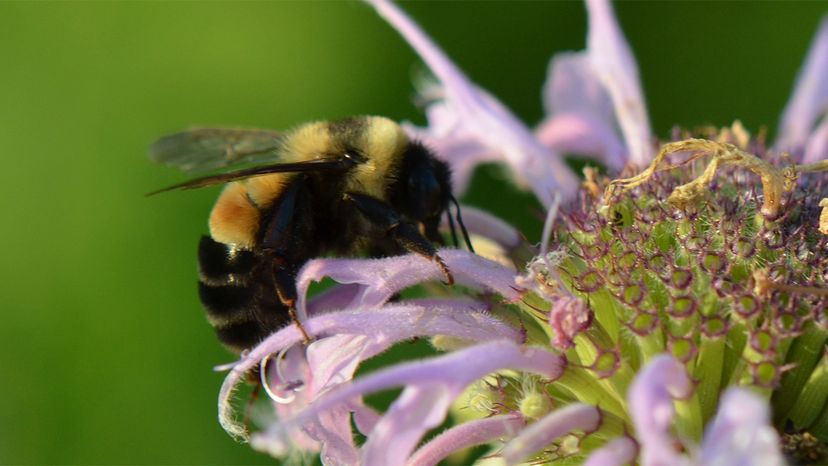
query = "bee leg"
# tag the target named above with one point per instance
(278, 241)
(407, 236)
(404, 234)
(284, 279)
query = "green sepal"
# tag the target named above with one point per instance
(813, 397)
(708, 374)
(805, 353)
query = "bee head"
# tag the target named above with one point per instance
(424, 187)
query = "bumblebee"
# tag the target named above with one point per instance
(357, 185)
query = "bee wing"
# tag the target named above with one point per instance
(200, 150)
(339, 162)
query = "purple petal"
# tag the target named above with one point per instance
(382, 327)
(457, 370)
(431, 385)
(817, 147)
(580, 114)
(418, 409)
(810, 96)
(651, 407)
(569, 133)
(382, 278)
(483, 117)
(333, 430)
(468, 434)
(572, 87)
(741, 433)
(335, 359)
(366, 419)
(614, 64)
(622, 450)
(543, 432)
(277, 442)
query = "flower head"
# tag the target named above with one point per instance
(672, 316)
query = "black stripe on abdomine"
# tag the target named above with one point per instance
(225, 301)
(217, 266)
(241, 335)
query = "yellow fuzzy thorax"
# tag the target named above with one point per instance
(380, 143)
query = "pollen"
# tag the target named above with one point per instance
(823, 216)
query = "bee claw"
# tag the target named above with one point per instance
(449, 277)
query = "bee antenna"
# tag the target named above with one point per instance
(452, 229)
(460, 222)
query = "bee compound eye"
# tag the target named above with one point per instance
(426, 196)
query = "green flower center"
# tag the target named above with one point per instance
(714, 254)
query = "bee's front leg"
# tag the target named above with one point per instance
(407, 236)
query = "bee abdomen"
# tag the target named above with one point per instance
(226, 304)
(233, 312)
(220, 264)
(240, 301)
(240, 336)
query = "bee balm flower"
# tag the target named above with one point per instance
(676, 317)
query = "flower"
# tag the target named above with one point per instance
(798, 129)
(672, 316)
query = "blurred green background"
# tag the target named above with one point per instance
(105, 354)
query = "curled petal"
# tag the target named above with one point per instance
(615, 453)
(331, 364)
(431, 385)
(484, 118)
(651, 406)
(614, 64)
(809, 100)
(468, 434)
(741, 433)
(543, 432)
(382, 278)
(280, 371)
